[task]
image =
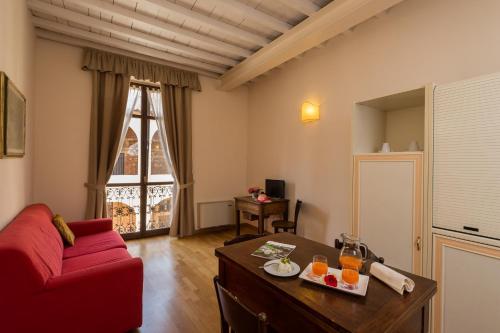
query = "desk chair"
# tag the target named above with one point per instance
(285, 225)
(236, 315)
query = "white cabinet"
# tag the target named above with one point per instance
(389, 190)
(466, 156)
(468, 296)
(387, 211)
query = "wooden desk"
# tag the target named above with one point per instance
(261, 209)
(293, 305)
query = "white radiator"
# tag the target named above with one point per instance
(215, 213)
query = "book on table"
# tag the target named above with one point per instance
(274, 250)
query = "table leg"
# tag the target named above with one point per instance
(237, 217)
(260, 229)
(425, 316)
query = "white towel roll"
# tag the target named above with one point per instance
(393, 279)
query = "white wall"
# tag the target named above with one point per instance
(417, 42)
(62, 131)
(17, 41)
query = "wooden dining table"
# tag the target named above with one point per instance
(294, 305)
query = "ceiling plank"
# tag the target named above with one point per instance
(126, 32)
(205, 41)
(253, 14)
(64, 39)
(328, 22)
(65, 29)
(221, 27)
(302, 6)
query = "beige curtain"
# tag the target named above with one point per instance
(177, 117)
(109, 100)
(111, 75)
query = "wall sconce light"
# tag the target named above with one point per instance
(310, 112)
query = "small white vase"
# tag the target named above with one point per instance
(386, 148)
(413, 146)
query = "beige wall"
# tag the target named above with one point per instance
(62, 127)
(62, 122)
(404, 126)
(16, 59)
(417, 42)
(219, 142)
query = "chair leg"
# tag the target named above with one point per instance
(295, 230)
(276, 230)
(224, 327)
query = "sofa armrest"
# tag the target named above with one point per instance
(89, 227)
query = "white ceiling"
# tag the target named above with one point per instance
(206, 36)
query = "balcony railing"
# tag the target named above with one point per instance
(124, 207)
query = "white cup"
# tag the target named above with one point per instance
(386, 148)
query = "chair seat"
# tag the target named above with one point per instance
(242, 238)
(283, 224)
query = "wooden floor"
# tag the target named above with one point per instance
(178, 288)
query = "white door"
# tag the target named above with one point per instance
(387, 212)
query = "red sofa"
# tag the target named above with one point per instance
(94, 286)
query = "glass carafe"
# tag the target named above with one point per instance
(351, 260)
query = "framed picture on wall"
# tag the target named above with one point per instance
(12, 119)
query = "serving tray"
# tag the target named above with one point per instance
(307, 275)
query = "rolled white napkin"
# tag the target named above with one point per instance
(393, 279)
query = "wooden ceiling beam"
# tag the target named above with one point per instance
(328, 22)
(253, 14)
(126, 32)
(64, 39)
(206, 41)
(222, 27)
(68, 30)
(302, 6)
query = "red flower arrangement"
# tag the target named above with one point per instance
(330, 280)
(253, 190)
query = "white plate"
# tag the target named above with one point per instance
(362, 284)
(271, 267)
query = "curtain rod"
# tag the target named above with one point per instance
(145, 83)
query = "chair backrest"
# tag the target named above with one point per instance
(236, 315)
(298, 204)
(370, 256)
(242, 238)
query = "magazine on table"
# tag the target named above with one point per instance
(274, 250)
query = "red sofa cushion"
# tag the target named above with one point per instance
(94, 259)
(31, 249)
(101, 241)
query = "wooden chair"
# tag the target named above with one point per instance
(285, 225)
(242, 238)
(236, 315)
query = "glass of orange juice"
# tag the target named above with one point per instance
(319, 265)
(350, 270)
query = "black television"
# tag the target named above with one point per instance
(275, 188)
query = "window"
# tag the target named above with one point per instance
(139, 192)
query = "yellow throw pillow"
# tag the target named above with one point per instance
(61, 226)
